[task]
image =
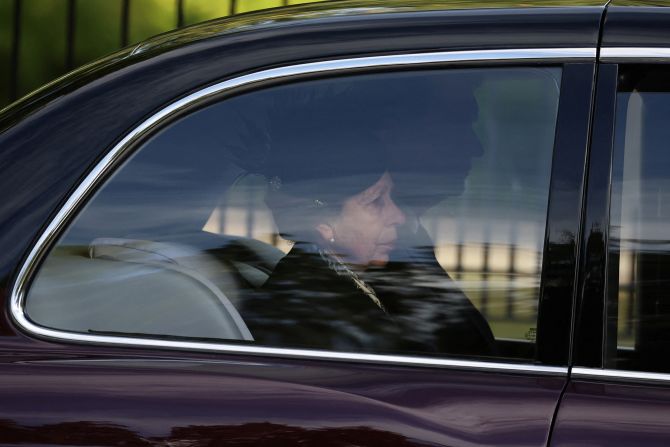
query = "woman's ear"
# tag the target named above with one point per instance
(326, 232)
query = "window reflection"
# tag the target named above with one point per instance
(386, 213)
(638, 308)
(491, 254)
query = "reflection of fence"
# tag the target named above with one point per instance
(502, 279)
(626, 303)
(505, 277)
(29, 40)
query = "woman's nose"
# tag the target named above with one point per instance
(395, 216)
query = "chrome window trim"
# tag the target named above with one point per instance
(618, 375)
(626, 54)
(20, 285)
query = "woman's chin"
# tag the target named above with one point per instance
(379, 261)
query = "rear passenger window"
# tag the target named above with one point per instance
(387, 213)
(638, 307)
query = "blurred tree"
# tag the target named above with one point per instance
(57, 35)
(6, 31)
(150, 17)
(200, 10)
(252, 5)
(97, 29)
(42, 45)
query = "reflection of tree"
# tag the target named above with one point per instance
(269, 434)
(261, 434)
(566, 237)
(97, 31)
(591, 305)
(5, 326)
(71, 433)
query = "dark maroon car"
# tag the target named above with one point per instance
(352, 223)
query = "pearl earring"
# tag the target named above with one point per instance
(332, 240)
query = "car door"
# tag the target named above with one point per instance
(158, 305)
(618, 392)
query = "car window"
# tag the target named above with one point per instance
(398, 212)
(638, 309)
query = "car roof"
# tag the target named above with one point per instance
(338, 9)
(640, 3)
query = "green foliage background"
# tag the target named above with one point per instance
(42, 50)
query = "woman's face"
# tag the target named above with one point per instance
(364, 232)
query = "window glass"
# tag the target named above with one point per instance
(382, 213)
(638, 335)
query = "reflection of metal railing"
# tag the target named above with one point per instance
(499, 278)
(629, 296)
(626, 298)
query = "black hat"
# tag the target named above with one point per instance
(315, 140)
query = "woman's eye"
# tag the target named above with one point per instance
(378, 202)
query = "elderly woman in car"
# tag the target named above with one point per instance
(358, 277)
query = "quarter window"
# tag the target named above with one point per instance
(382, 213)
(638, 308)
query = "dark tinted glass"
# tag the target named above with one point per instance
(380, 213)
(638, 307)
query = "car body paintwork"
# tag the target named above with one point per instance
(615, 414)
(170, 399)
(60, 393)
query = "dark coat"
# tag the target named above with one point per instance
(306, 303)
